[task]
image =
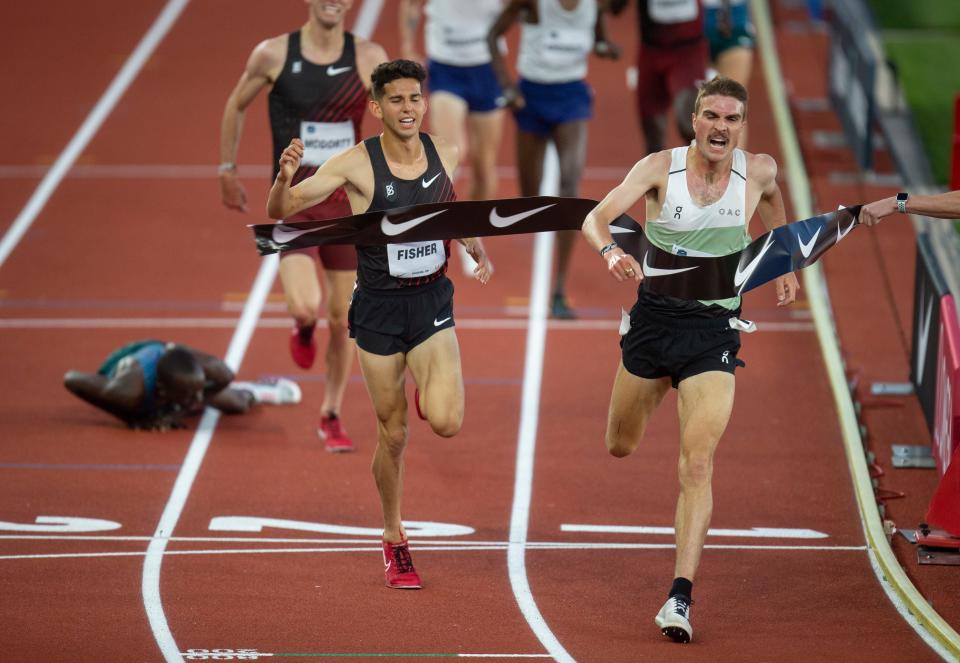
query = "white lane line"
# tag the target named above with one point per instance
(760, 532)
(338, 541)
(420, 548)
(191, 466)
(90, 126)
(284, 323)
(529, 419)
(201, 440)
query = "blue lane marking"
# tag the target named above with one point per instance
(86, 466)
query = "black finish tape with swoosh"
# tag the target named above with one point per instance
(782, 250)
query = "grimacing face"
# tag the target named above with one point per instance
(717, 126)
(401, 107)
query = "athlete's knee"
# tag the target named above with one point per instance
(695, 468)
(337, 322)
(620, 446)
(446, 423)
(393, 438)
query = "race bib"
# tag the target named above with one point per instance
(468, 42)
(415, 259)
(566, 47)
(321, 140)
(673, 11)
(678, 250)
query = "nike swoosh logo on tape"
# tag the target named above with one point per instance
(426, 183)
(807, 247)
(656, 271)
(843, 233)
(740, 278)
(283, 234)
(336, 71)
(437, 323)
(498, 221)
(391, 229)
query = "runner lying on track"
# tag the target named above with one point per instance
(941, 205)
(402, 310)
(153, 385)
(699, 200)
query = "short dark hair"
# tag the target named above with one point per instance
(177, 362)
(724, 87)
(393, 70)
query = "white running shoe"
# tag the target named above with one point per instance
(272, 391)
(674, 619)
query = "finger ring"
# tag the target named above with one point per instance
(629, 270)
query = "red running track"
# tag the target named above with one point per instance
(106, 261)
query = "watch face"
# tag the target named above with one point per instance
(901, 197)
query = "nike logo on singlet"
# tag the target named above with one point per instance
(807, 247)
(498, 221)
(392, 229)
(656, 271)
(336, 71)
(426, 183)
(283, 234)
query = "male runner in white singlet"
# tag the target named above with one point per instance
(699, 200)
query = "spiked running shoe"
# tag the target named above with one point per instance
(416, 403)
(398, 566)
(674, 619)
(303, 346)
(331, 431)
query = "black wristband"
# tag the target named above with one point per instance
(609, 247)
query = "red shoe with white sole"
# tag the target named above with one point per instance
(398, 566)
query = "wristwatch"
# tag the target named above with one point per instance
(902, 202)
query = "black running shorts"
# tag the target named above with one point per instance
(657, 346)
(396, 321)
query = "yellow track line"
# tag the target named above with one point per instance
(925, 620)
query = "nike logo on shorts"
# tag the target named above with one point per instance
(437, 323)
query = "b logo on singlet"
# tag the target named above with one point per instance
(676, 214)
(391, 191)
(296, 67)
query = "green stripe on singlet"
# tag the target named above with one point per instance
(712, 241)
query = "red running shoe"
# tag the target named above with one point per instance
(416, 403)
(303, 346)
(331, 431)
(399, 570)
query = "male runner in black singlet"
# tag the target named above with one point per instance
(318, 78)
(402, 310)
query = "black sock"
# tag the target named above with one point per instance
(306, 333)
(683, 587)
